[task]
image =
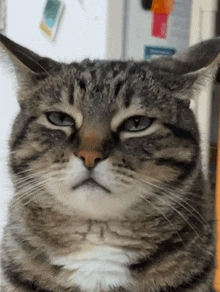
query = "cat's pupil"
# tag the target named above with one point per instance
(136, 122)
(62, 117)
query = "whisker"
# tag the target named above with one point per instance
(27, 170)
(172, 194)
(20, 194)
(182, 216)
(27, 179)
(30, 199)
(165, 217)
(170, 206)
(162, 183)
(201, 220)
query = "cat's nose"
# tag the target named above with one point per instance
(90, 158)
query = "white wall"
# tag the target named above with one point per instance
(82, 34)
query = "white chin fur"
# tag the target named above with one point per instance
(89, 200)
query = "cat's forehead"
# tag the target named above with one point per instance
(99, 75)
(99, 70)
(111, 84)
(101, 87)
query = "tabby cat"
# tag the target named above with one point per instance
(106, 165)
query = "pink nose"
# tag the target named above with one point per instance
(90, 158)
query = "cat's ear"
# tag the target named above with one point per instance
(27, 63)
(187, 72)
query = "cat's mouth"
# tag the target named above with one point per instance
(90, 182)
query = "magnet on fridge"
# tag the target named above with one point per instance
(51, 16)
(157, 51)
(161, 10)
(146, 4)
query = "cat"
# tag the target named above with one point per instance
(105, 159)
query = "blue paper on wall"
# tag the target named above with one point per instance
(51, 16)
(156, 51)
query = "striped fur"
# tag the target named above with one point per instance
(109, 194)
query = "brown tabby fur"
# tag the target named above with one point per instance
(153, 202)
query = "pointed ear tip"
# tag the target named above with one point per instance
(3, 41)
(3, 38)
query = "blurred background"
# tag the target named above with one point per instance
(71, 30)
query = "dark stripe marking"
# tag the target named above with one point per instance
(118, 88)
(82, 84)
(19, 168)
(181, 133)
(16, 278)
(186, 168)
(166, 247)
(128, 97)
(11, 273)
(28, 248)
(18, 141)
(195, 280)
(71, 96)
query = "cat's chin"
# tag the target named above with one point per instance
(93, 201)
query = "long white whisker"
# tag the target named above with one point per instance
(165, 217)
(21, 196)
(170, 206)
(30, 199)
(172, 194)
(181, 215)
(179, 198)
(162, 183)
(31, 188)
(21, 181)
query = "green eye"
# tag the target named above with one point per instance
(60, 119)
(137, 123)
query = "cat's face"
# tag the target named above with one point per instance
(106, 139)
(101, 138)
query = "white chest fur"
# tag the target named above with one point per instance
(98, 267)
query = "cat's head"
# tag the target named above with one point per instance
(104, 137)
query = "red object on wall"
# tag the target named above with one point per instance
(161, 10)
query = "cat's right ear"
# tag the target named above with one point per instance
(29, 66)
(186, 73)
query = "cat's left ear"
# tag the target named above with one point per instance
(26, 62)
(187, 72)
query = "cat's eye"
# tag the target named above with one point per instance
(60, 119)
(136, 123)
